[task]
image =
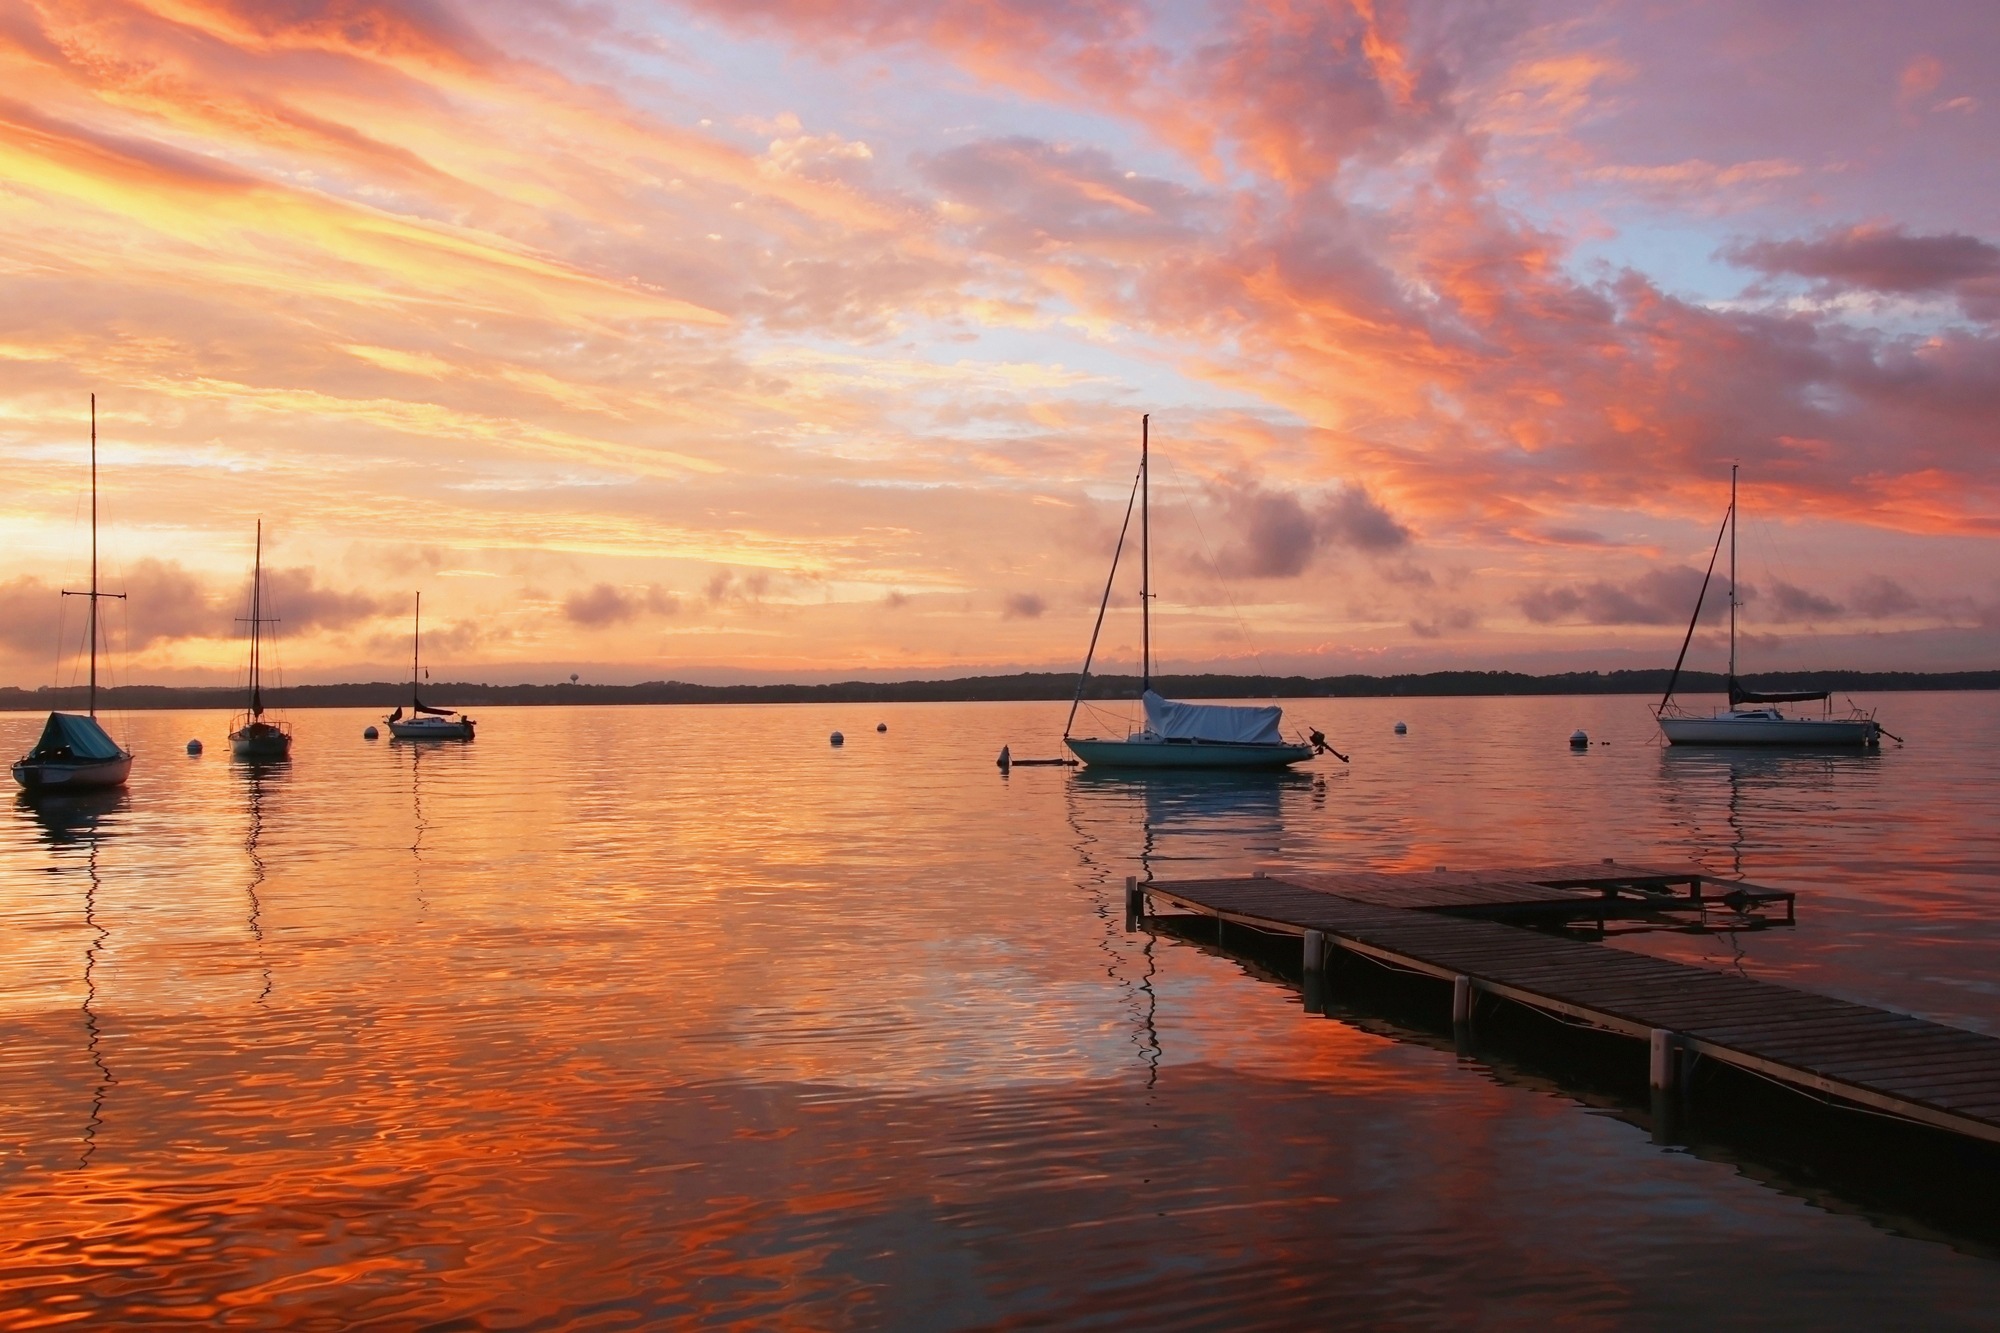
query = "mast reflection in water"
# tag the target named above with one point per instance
(73, 825)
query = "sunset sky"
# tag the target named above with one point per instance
(795, 339)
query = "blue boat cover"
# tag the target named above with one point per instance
(74, 736)
(1213, 722)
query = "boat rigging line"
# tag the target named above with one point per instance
(1084, 675)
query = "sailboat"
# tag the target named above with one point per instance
(1753, 716)
(425, 723)
(255, 740)
(1176, 735)
(74, 750)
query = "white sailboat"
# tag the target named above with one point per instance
(75, 751)
(424, 723)
(1176, 735)
(1753, 717)
(255, 740)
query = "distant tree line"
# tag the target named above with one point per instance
(1027, 685)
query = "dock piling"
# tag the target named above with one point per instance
(1461, 1001)
(1314, 964)
(1135, 903)
(1665, 1070)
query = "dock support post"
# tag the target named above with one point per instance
(1462, 995)
(1665, 1072)
(1314, 966)
(1665, 1078)
(1135, 903)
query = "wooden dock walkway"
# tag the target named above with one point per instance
(1944, 1077)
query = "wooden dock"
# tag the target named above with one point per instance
(1924, 1072)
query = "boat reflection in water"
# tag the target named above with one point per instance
(75, 818)
(1771, 799)
(1183, 818)
(1232, 820)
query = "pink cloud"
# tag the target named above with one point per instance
(1883, 259)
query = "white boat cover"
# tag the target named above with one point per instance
(1232, 723)
(72, 735)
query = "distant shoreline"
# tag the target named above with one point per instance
(1025, 686)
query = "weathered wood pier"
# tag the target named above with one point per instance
(1453, 926)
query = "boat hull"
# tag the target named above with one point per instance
(1159, 754)
(431, 731)
(1755, 729)
(260, 748)
(65, 775)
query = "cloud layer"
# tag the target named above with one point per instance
(782, 335)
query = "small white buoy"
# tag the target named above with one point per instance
(881, 726)
(194, 747)
(837, 739)
(1006, 760)
(370, 734)
(1402, 728)
(1578, 740)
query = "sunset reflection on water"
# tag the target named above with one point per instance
(621, 1016)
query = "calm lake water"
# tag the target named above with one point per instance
(631, 1017)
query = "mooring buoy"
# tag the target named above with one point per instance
(836, 739)
(194, 747)
(881, 726)
(1402, 728)
(1579, 740)
(370, 734)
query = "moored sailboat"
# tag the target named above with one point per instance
(1753, 716)
(1176, 735)
(75, 751)
(255, 740)
(424, 723)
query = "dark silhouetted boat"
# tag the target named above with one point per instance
(422, 722)
(75, 751)
(256, 740)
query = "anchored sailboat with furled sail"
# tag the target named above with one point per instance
(425, 723)
(1753, 716)
(75, 751)
(254, 739)
(1176, 735)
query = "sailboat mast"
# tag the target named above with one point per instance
(1145, 558)
(416, 638)
(1732, 577)
(93, 555)
(256, 622)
